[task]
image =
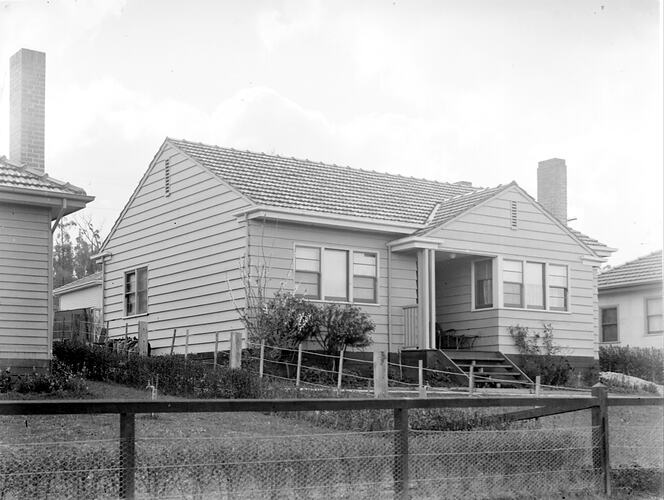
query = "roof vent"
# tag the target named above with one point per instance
(513, 214)
(167, 177)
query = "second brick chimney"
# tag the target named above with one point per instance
(27, 84)
(552, 187)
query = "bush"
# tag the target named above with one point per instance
(173, 374)
(60, 381)
(643, 362)
(343, 326)
(539, 355)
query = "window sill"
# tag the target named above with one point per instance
(654, 334)
(342, 302)
(135, 316)
(524, 309)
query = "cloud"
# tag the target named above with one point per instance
(295, 19)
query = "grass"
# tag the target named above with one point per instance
(177, 443)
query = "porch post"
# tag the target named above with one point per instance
(423, 292)
(432, 300)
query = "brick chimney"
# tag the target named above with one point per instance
(552, 187)
(27, 83)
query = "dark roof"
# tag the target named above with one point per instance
(16, 176)
(591, 242)
(647, 269)
(306, 185)
(86, 281)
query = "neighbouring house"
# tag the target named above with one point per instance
(630, 301)
(78, 309)
(31, 204)
(427, 260)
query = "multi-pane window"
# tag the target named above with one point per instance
(136, 291)
(336, 274)
(307, 271)
(365, 277)
(557, 281)
(609, 330)
(512, 283)
(534, 285)
(483, 271)
(654, 315)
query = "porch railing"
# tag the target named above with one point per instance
(411, 326)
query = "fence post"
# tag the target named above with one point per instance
(420, 375)
(127, 455)
(400, 470)
(186, 344)
(299, 364)
(380, 374)
(236, 350)
(471, 378)
(538, 386)
(173, 341)
(261, 360)
(341, 370)
(126, 340)
(216, 350)
(143, 338)
(600, 423)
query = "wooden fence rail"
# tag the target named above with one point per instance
(598, 403)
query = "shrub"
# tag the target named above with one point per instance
(61, 380)
(174, 375)
(343, 326)
(539, 355)
(643, 362)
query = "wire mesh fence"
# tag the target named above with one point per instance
(328, 465)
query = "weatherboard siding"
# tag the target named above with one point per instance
(272, 245)
(25, 242)
(485, 230)
(192, 244)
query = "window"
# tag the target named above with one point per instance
(609, 331)
(136, 291)
(336, 275)
(534, 278)
(335, 272)
(167, 177)
(557, 281)
(512, 283)
(307, 271)
(654, 315)
(365, 277)
(483, 270)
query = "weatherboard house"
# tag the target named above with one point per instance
(630, 301)
(425, 259)
(31, 204)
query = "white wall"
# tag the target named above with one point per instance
(80, 299)
(631, 304)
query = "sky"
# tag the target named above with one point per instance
(447, 90)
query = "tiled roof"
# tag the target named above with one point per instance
(643, 270)
(16, 176)
(306, 185)
(449, 209)
(591, 242)
(86, 281)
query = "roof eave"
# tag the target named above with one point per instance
(52, 200)
(327, 219)
(67, 288)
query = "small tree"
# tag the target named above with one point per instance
(343, 326)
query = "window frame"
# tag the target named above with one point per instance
(474, 287)
(318, 273)
(350, 273)
(135, 271)
(521, 284)
(601, 325)
(648, 316)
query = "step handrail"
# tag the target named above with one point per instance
(516, 367)
(461, 372)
